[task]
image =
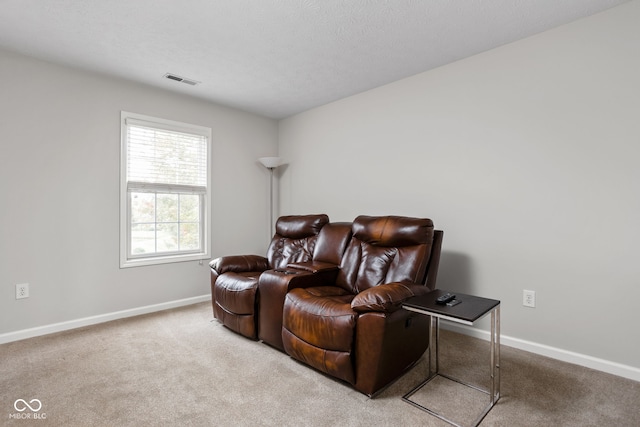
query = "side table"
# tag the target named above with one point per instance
(469, 310)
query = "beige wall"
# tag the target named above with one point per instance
(59, 183)
(527, 156)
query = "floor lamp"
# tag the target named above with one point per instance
(270, 163)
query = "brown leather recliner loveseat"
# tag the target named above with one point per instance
(336, 305)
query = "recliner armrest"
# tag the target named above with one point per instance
(239, 263)
(313, 266)
(273, 286)
(386, 298)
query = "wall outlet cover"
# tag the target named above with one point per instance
(529, 298)
(22, 291)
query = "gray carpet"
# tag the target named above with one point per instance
(178, 367)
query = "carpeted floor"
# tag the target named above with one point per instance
(179, 368)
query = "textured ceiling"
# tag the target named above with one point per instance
(273, 57)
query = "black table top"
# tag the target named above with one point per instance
(469, 310)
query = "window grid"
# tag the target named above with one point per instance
(179, 230)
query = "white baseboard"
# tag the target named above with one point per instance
(101, 318)
(614, 368)
(607, 366)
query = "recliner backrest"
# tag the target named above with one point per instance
(332, 242)
(295, 239)
(384, 250)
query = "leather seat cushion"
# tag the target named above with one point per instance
(321, 316)
(236, 292)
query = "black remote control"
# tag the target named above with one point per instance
(445, 298)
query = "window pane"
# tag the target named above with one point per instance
(189, 207)
(143, 239)
(167, 237)
(164, 222)
(167, 208)
(189, 236)
(143, 208)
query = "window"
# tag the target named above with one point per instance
(165, 193)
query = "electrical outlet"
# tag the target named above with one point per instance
(22, 291)
(529, 298)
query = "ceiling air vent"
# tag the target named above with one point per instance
(181, 79)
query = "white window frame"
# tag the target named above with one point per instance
(126, 258)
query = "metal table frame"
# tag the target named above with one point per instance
(434, 368)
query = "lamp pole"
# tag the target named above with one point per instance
(271, 200)
(270, 163)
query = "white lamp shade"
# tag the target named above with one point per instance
(270, 162)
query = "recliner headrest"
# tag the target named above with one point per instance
(393, 231)
(300, 226)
